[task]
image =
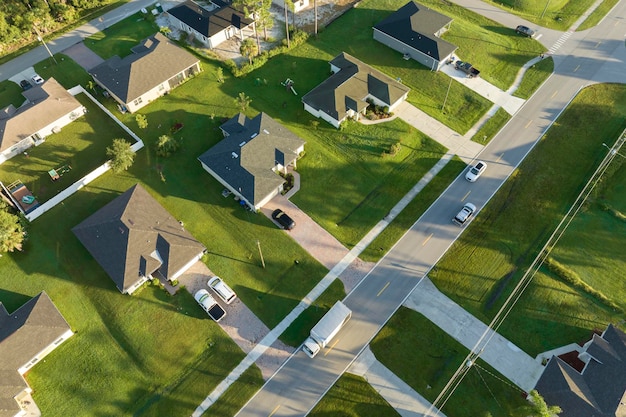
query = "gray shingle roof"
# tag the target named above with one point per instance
(415, 25)
(348, 88)
(600, 391)
(154, 61)
(23, 334)
(207, 22)
(46, 104)
(133, 236)
(259, 144)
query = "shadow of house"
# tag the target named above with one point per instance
(210, 24)
(345, 93)
(26, 336)
(599, 390)
(415, 30)
(48, 108)
(133, 237)
(155, 67)
(248, 159)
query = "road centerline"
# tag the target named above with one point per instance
(381, 291)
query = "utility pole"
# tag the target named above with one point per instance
(447, 92)
(260, 253)
(544, 9)
(40, 39)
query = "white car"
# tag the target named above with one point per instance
(475, 171)
(465, 214)
(226, 293)
(37, 79)
(208, 304)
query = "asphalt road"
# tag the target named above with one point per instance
(301, 382)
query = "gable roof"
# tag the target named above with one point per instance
(348, 88)
(260, 144)
(45, 104)
(415, 25)
(155, 60)
(206, 22)
(134, 236)
(23, 334)
(600, 390)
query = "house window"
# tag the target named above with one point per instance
(138, 101)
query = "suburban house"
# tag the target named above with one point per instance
(47, 109)
(248, 159)
(414, 30)
(297, 4)
(134, 239)
(155, 67)
(211, 23)
(26, 336)
(345, 93)
(593, 384)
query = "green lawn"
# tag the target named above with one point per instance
(238, 394)
(67, 72)
(352, 396)
(425, 357)
(10, 93)
(121, 37)
(598, 14)
(299, 330)
(481, 268)
(81, 144)
(491, 127)
(534, 77)
(413, 211)
(559, 14)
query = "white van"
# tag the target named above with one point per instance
(222, 290)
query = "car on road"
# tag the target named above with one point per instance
(525, 30)
(475, 171)
(222, 289)
(25, 85)
(465, 214)
(285, 221)
(208, 304)
(37, 79)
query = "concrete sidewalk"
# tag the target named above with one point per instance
(406, 401)
(501, 354)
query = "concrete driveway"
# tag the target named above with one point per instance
(83, 56)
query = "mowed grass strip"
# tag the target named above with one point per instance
(553, 14)
(597, 15)
(534, 77)
(237, 395)
(491, 127)
(482, 267)
(352, 396)
(407, 217)
(425, 357)
(299, 330)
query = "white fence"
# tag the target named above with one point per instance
(93, 174)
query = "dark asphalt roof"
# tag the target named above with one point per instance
(207, 22)
(134, 235)
(251, 149)
(154, 61)
(348, 88)
(416, 25)
(600, 390)
(23, 334)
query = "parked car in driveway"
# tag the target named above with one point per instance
(475, 171)
(208, 304)
(25, 85)
(222, 289)
(524, 30)
(285, 221)
(465, 214)
(37, 79)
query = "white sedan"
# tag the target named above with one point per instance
(37, 79)
(475, 171)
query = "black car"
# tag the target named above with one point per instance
(285, 221)
(25, 85)
(526, 31)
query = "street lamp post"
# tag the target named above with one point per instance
(544, 9)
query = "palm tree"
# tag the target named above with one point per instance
(251, 9)
(121, 154)
(248, 49)
(243, 102)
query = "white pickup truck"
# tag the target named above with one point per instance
(208, 304)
